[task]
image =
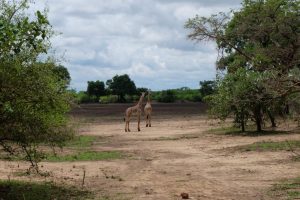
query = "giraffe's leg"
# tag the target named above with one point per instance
(128, 126)
(147, 116)
(128, 120)
(139, 120)
(125, 124)
(150, 120)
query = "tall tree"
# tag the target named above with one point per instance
(33, 97)
(63, 74)
(263, 37)
(96, 88)
(207, 88)
(121, 85)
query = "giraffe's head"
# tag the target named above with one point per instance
(141, 98)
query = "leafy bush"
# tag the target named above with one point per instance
(167, 96)
(34, 99)
(109, 99)
(83, 97)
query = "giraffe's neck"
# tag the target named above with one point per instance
(149, 98)
(140, 101)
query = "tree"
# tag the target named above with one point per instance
(262, 37)
(167, 96)
(63, 73)
(96, 88)
(33, 96)
(121, 85)
(140, 90)
(207, 88)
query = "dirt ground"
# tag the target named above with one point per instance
(175, 155)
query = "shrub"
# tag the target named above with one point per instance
(167, 96)
(108, 99)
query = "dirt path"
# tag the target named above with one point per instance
(175, 156)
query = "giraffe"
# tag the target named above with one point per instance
(148, 111)
(132, 110)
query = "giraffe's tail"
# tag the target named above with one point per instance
(124, 119)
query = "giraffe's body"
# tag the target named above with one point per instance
(137, 109)
(148, 111)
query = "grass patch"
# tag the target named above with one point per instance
(187, 137)
(224, 130)
(162, 139)
(289, 189)
(82, 141)
(271, 146)
(85, 156)
(20, 190)
(251, 131)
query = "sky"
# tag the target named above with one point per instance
(145, 39)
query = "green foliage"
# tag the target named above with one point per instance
(181, 94)
(109, 99)
(186, 94)
(132, 98)
(167, 96)
(84, 156)
(22, 38)
(207, 88)
(63, 74)
(95, 88)
(121, 85)
(17, 190)
(33, 96)
(260, 56)
(242, 94)
(272, 146)
(81, 141)
(288, 189)
(140, 90)
(83, 97)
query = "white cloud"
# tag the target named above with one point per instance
(144, 39)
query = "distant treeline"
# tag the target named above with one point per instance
(121, 89)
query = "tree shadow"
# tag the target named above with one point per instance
(12, 189)
(254, 133)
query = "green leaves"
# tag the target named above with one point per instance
(259, 50)
(33, 95)
(19, 35)
(121, 85)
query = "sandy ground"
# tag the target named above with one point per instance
(175, 155)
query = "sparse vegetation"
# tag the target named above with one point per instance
(82, 141)
(288, 189)
(271, 146)
(85, 156)
(17, 190)
(34, 99)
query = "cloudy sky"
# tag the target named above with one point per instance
(142, 38)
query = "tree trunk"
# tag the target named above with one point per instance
(243, 122)
(287, 109)
(258, 118)
(243, 125)
(272, 118)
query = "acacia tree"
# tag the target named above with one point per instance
(121, 85)
(263, 37)
(33, 95)
(96, 88)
